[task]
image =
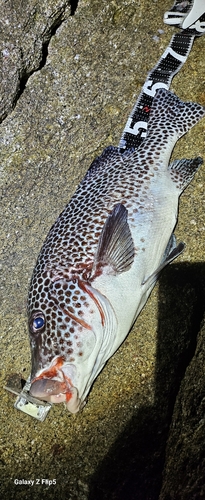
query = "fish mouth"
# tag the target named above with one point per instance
(54, 386)
(49, 390)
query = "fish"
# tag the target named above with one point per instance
(103, 255)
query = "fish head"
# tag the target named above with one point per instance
(68, 338)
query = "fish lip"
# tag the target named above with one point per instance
(52, 381)
(45, 388)
(53, 391)
(54, 385)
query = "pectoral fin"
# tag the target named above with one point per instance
(172, 253)
(115, 248)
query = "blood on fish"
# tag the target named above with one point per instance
(52, 372)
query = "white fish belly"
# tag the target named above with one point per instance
(151, 232)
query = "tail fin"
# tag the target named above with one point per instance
(170, 116)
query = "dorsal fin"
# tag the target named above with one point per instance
(115, 247)
(110, 155)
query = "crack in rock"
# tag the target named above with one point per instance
(26, 30)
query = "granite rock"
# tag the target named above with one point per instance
(26, 28)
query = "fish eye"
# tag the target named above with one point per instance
(37, 322)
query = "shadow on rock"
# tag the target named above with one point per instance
(133, 468)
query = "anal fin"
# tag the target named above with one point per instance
(183, 171)
(172, 252)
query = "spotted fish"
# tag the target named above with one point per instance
(103, 255)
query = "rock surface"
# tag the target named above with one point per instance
(26, 28)
(184, 474)
(64, 115)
